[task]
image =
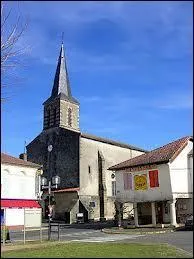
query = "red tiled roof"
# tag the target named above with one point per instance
(9, 203)
(157, 156)
(7, 159)
(68, 190)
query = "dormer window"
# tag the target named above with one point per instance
(69, 117)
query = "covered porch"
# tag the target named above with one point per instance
(156, 213)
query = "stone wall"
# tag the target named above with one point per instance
(66, 202)
(89, 157)
(89, 173)
(64, 106)
(64, 158)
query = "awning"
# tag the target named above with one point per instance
(19, 204)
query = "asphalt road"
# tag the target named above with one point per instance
(180, 239)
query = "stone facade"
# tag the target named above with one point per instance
(96, 181)
(80, 160)
(64, 158)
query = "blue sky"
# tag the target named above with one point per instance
(129, 63)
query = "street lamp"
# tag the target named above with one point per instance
(52, 183)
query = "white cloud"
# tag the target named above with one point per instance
(133, 18)
(122, 104)
(175, 101)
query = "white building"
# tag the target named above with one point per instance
(159, 183)
(20, 189)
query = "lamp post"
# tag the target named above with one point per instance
(53, 182)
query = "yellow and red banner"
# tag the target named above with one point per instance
(140, 182)
(153, 175)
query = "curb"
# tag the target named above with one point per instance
(139, 233)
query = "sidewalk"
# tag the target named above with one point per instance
(140, 230)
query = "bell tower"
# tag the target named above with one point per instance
(61, 109)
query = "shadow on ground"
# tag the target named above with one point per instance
(93, 225)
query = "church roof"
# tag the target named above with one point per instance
(111, 142)
(61, 87)
(159, 155)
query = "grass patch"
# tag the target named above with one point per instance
(97, 250)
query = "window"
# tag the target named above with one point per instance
(54, 116)
(89, 169)
(127, 179)
(153, 176)
(92, 204)
(113, 188)
(48, 118)
(69, 117)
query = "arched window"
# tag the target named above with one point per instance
(54, 116)
(69, 117)
(48, 117)
(113, 188)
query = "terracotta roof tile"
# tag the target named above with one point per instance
(157, 156)
(7, 159)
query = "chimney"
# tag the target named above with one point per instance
(23, 156)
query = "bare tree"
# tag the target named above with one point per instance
(121, 208)
(11, 32)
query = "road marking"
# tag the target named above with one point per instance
(80, 233)
(106, 238)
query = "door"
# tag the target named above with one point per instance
(160, 212)
(83, 210)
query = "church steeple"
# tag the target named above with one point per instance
(61, 81)
(61, 109)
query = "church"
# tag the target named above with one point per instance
(81, 160)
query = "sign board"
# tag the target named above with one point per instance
(33, 217)
(54, 228)
(80, 214)
(140, 182)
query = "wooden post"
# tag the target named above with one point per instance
(40, 233)
(58, 232)
(4, 234)
(40, 225)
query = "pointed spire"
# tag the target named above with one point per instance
(61, 81)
